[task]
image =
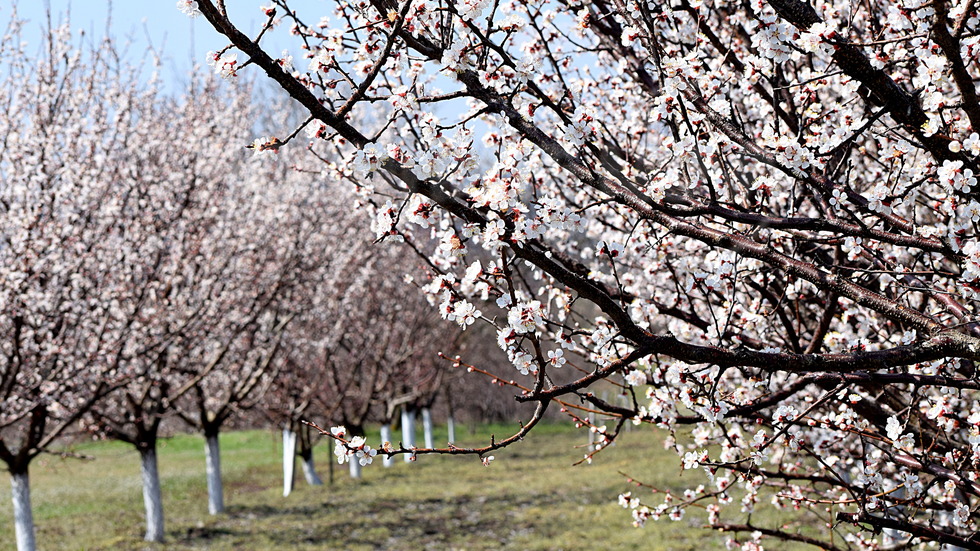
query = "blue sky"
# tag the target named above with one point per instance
(139, 24)
(181, 41)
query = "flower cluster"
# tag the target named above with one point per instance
(355, 449)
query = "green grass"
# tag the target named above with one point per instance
(529, 498)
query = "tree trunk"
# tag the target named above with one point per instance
(309, 469)
(386, 460)
(355, 468)
(288, 460)
(889, 536)
(408, 431)
(450, 421)
(306, 454)
(427, 428)
(23, 516)
(212, 454)
(152, 500)
(592, 435)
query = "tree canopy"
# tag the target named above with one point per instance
(758, 218)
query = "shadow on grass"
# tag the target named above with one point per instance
(205, 533)
(382, 524)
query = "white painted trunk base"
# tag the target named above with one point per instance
(945, 519)
(451, 426)
(23, 517)
(216, 492)
(408, 431)
(152, 500)
(427, 428)
(309, 471)
(891, 537)
(355, 468)
(592, 435)
(288, 461)
(386, 460)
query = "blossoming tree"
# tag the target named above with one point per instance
(326, 313)
(281, 243)
(362, 342)
(225, 253)
(70, 300)
(759, 218)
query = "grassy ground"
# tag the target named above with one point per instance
(529, 498)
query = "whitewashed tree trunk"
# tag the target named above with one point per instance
(625, 402)
(965, 499)
(386, 460)
(152, 500)
(288, 460)
(309, 469)
(355, 468)
(450, 413)
(408, 431)
(592, 434)
(891, 537)
(216, 492)
(23, 516)
(948, 518)
(427, 428)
